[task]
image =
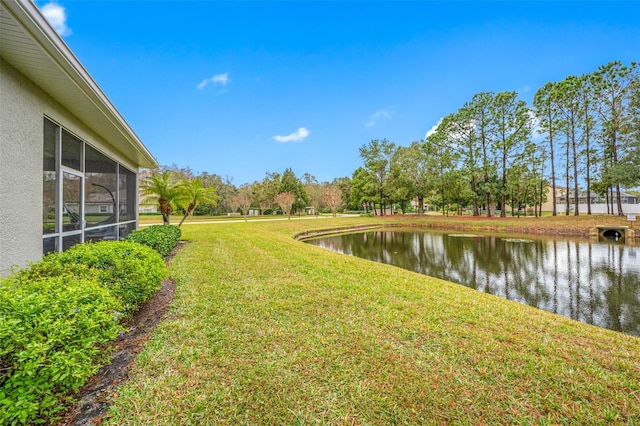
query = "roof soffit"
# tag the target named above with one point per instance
(29, 44)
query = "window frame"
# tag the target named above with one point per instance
(57, 238)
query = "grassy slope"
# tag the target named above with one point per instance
(269, 330)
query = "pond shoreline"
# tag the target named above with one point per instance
(560, 226)
(501, 226)
(566, 275)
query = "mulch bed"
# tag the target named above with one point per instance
(94, 397)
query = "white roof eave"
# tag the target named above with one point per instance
(31, 45)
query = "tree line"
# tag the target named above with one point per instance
(180, 190)
(581, 137)
(581, 134)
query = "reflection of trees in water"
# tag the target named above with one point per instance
(587, 282)
(622, 295)
(527, 266)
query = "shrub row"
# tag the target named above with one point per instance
(161, 238)
(57, 315)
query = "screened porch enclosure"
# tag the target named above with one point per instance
(87, 196)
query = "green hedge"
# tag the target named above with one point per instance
(51, 331)
(57, 314)
(132, 272)
(162, 238)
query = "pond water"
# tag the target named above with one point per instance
(596, 283)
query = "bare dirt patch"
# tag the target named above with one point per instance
(93, 399)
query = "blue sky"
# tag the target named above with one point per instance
(244, 88)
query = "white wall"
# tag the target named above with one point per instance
(599, 208)
(23, 106)
(21, 134)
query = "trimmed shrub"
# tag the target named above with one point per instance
(57, 315)
(51, 332)
(161, 238)
(132, 272)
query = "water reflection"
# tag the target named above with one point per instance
(596, 283)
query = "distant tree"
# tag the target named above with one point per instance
(443, 162)
(265, 191)
(242, 200)
(570, 109)
(285, 200)
(225, 189)
(314, 192)
(332, 197)
(344, 183)
(520, 188)
(192, 193)
(259, 196)
(512, 130)
(179, 173)
(162, 187)
(482, 116)
(377, 156)
(632, 158)
(587, 124)
(534, 159)
(308, 178)
(290, 183)
(459, 190)
(548, 115)
(400, 185)
(614, 84)
(459, 134)
(363, 189)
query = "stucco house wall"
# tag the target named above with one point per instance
(24, 106)
(21, 170)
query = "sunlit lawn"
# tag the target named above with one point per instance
(558, 223)
(268, 330)
(145, 220)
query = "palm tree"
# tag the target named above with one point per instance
(192, 193)
(161, 187)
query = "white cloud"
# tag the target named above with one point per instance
(377, 116)
(433, 129)
(56, 15)
(297, 136)
(221, 79)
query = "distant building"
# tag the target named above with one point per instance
(145, 203)
(630, 203)
(68, 159)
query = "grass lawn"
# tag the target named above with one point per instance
(175, 219)
(266, 330)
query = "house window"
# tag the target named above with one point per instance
(49, 204)
(82, 189)
(100, 188)
(71, 201)
(71, 151)
(128, 193)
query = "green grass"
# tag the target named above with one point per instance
(266, 330)
(175, 219)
